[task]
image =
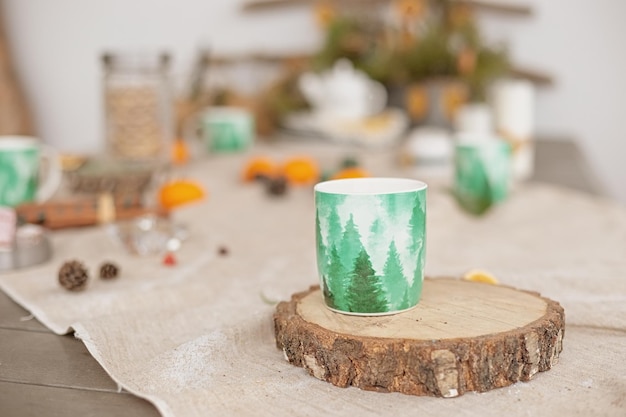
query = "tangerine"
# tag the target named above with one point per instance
(258, 167)
(180, 192)
(478, 275)
(301, 170)
(352, 172)
(180, 152)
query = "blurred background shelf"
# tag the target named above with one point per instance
(487, 6)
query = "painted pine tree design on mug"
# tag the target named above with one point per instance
(370, 248)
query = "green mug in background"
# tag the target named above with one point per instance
(371, 240)
(482, 168)
(21, 176)
(227, 129)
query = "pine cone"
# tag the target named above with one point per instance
(222, 251)
(276, 186)
(109, 270)
(73, 275)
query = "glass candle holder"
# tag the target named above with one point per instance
(138, 105)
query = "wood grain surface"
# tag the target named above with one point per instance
(42, 374)
(462, 336)
(449, 309)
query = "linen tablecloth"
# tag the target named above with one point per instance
(196, 339)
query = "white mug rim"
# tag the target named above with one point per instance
(226, 111)
(477, 139)
(370, 186)
(18, 143)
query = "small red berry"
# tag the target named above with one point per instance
(169, 259)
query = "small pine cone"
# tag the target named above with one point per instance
(222, 251)
(109, 270)
(73, 276)
(276, 186)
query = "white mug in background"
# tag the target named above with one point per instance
(22, 178)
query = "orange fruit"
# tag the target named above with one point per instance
(351, 172)
(180, 152)
(301, 170)
(259, 166)
(479, 275)
(180, 192)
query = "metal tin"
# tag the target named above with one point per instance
(31, 247)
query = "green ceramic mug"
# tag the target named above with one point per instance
(482, 172)
(227, 129)
(370, 235)
(21, 179)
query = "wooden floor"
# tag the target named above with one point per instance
(42, 374)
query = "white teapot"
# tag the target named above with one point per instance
(342, 93)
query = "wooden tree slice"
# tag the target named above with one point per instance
(463, 336)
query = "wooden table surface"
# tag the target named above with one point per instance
(45, 374)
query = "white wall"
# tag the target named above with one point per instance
(56, 45)
(581, 43)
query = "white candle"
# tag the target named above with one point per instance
(474, 118)
(513, 104)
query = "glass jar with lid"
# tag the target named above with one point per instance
(138, 105)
